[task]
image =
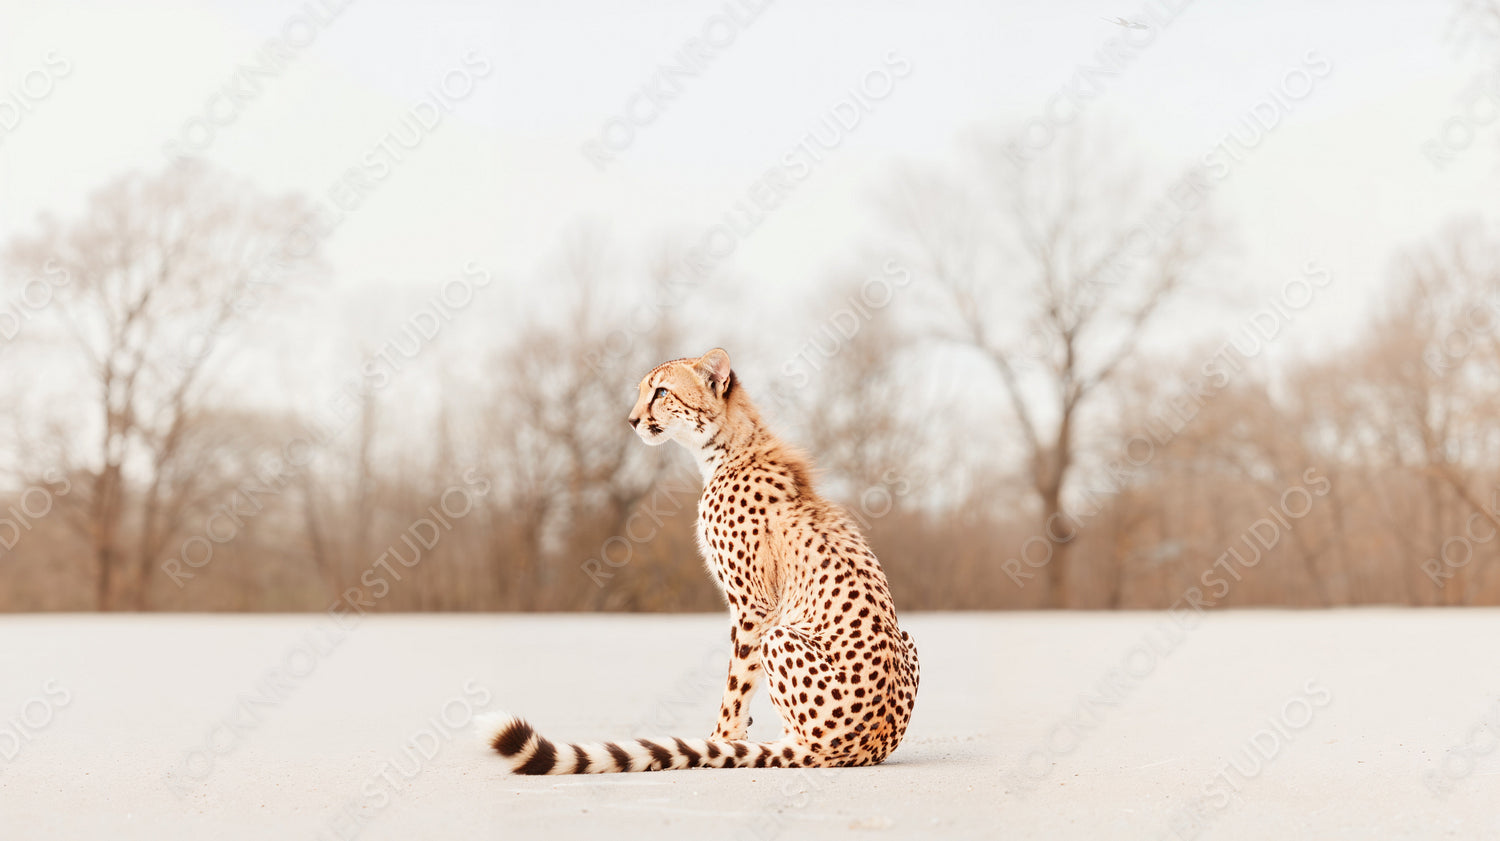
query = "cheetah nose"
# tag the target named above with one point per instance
(635, 421)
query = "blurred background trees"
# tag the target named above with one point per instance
(1002, 394)
(1052, 274)
(141, 285)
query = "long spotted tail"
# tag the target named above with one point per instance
(528, 752)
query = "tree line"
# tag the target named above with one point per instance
(1003, 388)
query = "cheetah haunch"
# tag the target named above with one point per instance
(812, 613)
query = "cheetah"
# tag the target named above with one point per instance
(812, 615)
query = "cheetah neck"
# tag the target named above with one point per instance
(739, 430)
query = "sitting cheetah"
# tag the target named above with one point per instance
(810, 606)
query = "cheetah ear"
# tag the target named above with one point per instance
(713, 367)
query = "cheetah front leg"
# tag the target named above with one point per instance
(744, 676)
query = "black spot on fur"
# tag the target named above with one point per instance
(662, 756)
(693, 757)
(621, 758)
(542, 761)
(508, 742)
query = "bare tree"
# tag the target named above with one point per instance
(568, 470)
(156, 269)
(852, 387)
(1426, 377)
(1053, 274)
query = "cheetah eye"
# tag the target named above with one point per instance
(659, 392)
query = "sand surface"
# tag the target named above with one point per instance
(1255, 724)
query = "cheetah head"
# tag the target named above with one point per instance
(683, 400)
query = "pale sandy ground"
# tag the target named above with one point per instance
(1351, 707)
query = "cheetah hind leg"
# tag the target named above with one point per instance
(801, 681)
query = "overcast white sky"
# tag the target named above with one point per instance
(1341, 180)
